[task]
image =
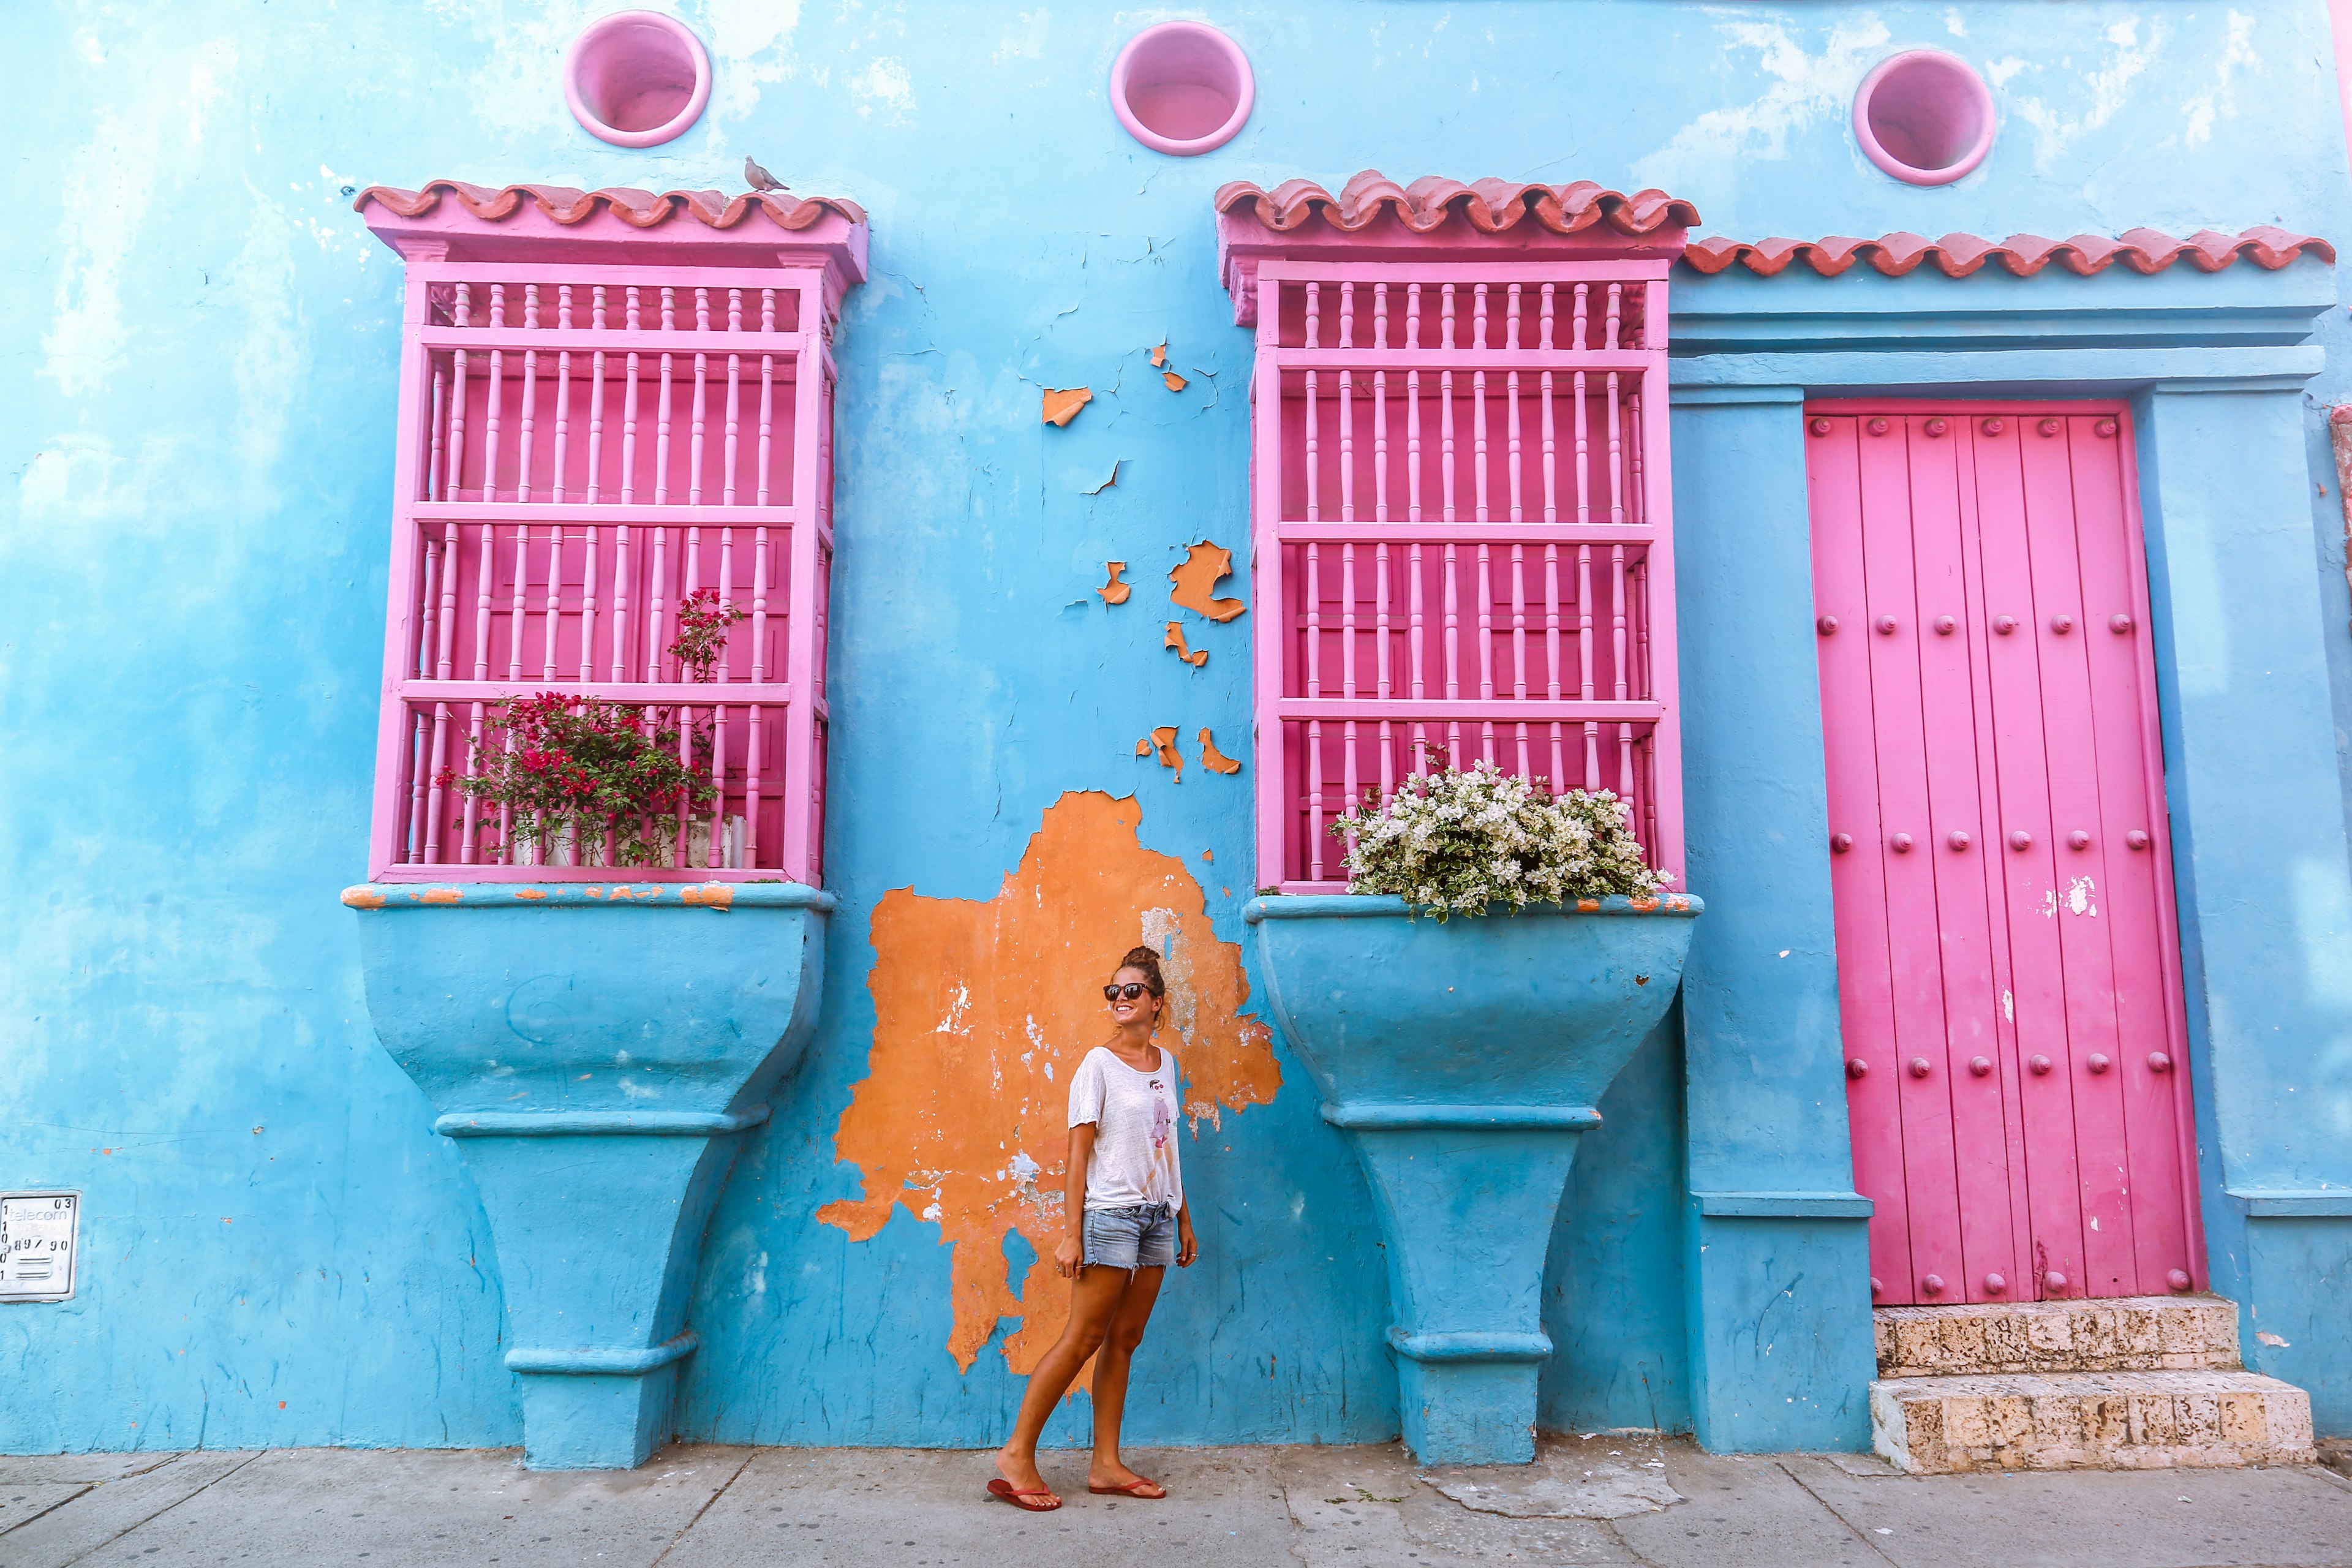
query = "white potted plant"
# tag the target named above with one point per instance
(1501, 954)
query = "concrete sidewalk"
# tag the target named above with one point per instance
(1611, 1498)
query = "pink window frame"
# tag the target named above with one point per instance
(1270, 531)
(800, 694)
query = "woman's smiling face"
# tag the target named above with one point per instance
(1128, 1009)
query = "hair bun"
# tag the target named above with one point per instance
(1144, 959)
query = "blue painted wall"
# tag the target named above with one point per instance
(192, 534)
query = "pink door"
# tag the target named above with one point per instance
(2009, 982)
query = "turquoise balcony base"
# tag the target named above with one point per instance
(596, 1054)
(1463, 1061)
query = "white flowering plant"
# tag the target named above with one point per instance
(1457, 841)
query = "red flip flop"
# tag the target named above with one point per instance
(1019, 1496)
(1134, 1489)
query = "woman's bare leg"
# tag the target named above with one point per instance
(1133, 1311)
(1094, 1301)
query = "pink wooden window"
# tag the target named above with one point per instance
(1463, 540)
(586, 439)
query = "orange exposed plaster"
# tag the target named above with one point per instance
(711, 895)
(439, 895)
(1215, 761)
(983, 1010)
(1115, 592)
(1175, 639)
(1163, 741)
(1061, 406)
(1196, 578)
(363, 898)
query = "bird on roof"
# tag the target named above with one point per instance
(759, 179)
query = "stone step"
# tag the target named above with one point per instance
(2089, 1420)
(2126, 1333)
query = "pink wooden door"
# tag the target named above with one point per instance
(2009, 982)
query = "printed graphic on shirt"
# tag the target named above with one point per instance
(1135, 1161)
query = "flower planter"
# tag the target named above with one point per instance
(1462, 1060)
(595, 1050)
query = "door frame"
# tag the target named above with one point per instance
(2152, 750)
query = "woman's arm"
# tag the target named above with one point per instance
(1069, 1256)
(1187, 1247)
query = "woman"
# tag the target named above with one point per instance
(1124, 1222)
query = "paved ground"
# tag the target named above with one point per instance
(1617, 1497)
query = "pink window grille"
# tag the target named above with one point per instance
(1463, 539)
(610, 403)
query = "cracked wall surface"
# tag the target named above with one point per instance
(983, 1009)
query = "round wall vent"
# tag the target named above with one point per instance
(1181, 87)
(1923, 117)
(635, 78)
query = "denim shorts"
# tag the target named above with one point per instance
(1142, 1238)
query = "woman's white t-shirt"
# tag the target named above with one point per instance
(1134, 1113)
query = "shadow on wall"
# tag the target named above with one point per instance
(1613, 1299)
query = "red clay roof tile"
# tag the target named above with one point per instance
(1957, 254)
(1490, 207)
(640, 209)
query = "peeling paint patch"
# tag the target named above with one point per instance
(1196, 578)
(438, 896)
(2081, 897)
(1216, 762)
(709, 896)
(1175, 639)
(976, 1004)
(1113, 590)
(362, 898)
(1110, 479)
(1163, 741)
(1062, 405)
(1175, 383)
(532, 895)
(1159, 355)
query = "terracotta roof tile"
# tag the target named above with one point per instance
(640, 209)
(1957, 254)
(1490, 207)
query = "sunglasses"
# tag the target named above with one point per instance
(1131, 990)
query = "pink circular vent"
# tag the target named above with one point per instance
(1923, 117)
(1182, 88)
(635, 78)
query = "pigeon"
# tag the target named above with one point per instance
(759, 179)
